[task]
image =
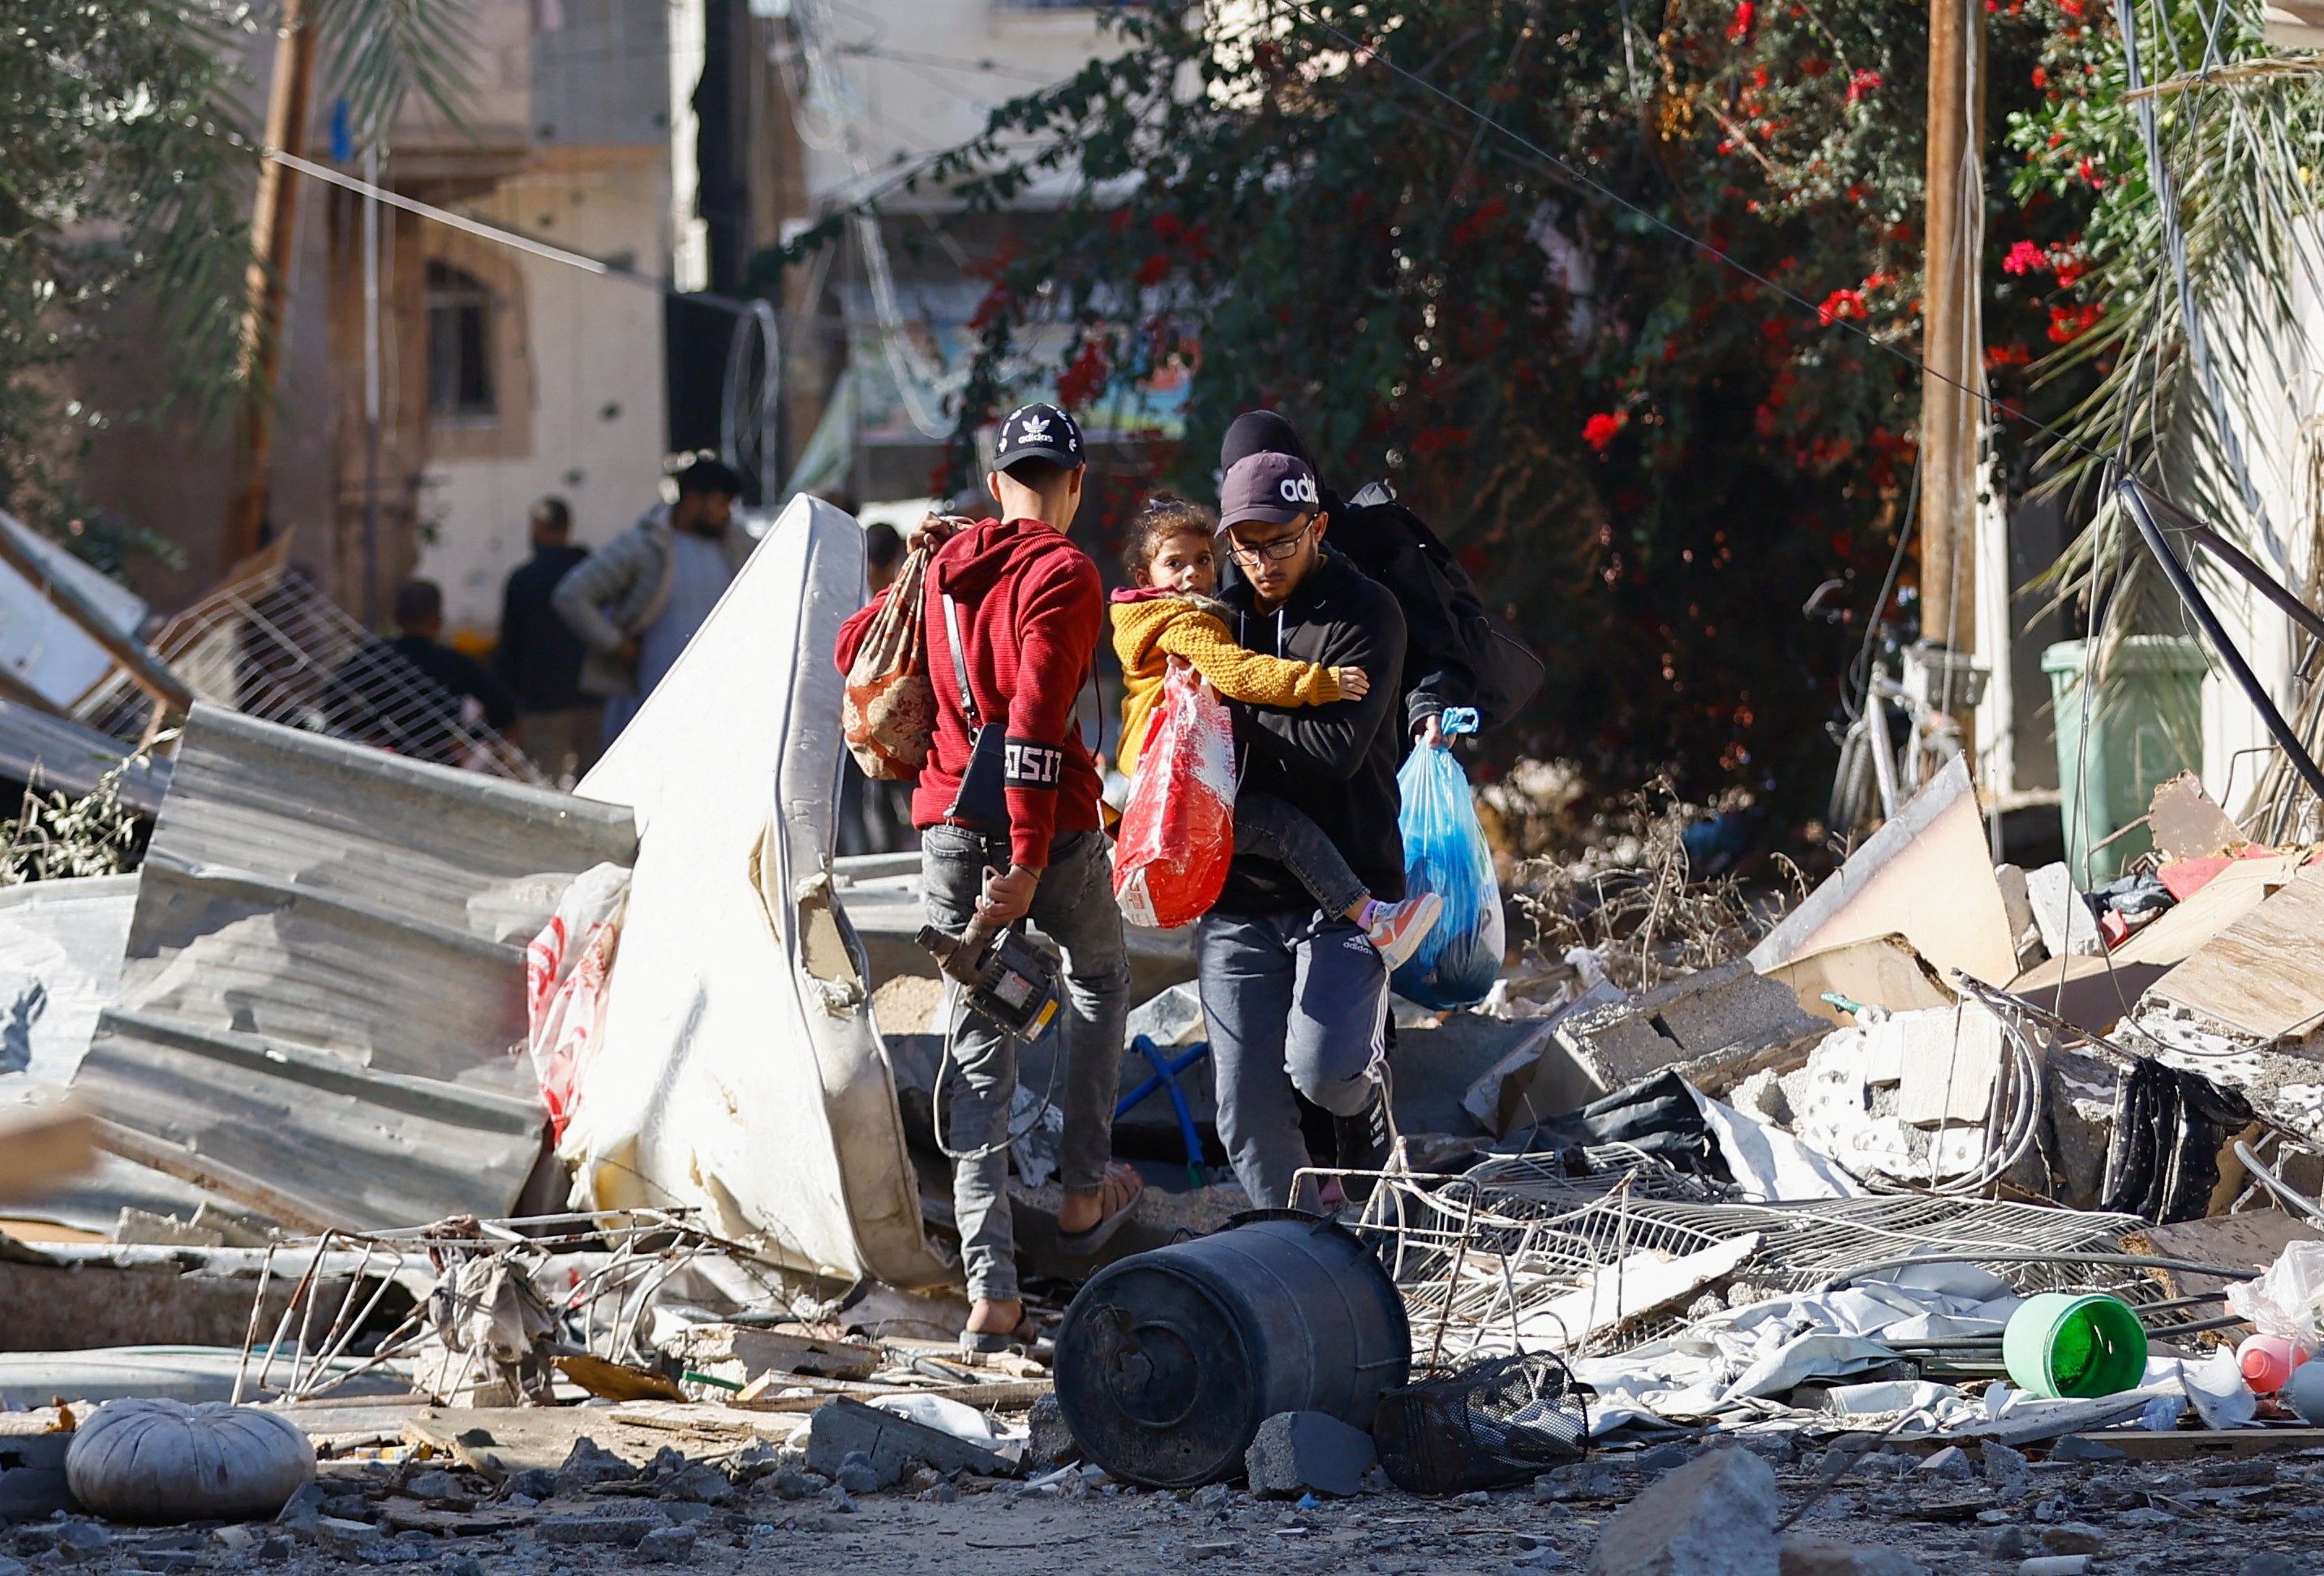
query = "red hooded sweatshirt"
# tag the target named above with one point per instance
(1031, 611)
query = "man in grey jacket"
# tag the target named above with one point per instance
(637, 601)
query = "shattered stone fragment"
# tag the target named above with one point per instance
(622, 1531)
(1051, 1443)
(857, 1475)
(1713, 1516)
(667, 1545)
(589, 1463)
(701, 1483)
(1953, 1462)
(1302, 1452)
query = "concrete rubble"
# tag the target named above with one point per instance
(1770, 1215)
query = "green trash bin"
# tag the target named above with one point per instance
(2145, 727)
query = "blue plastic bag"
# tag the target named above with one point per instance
(1445, 852)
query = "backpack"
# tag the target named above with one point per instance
(889, 714)
(1503, 669)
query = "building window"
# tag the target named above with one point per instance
(459, 345)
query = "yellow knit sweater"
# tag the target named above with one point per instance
(1149, 630)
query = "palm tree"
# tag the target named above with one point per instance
(125, 178)
(2202, 243)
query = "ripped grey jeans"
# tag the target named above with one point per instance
(1073, 907)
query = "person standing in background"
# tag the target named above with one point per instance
(538, 657)
(637, 601)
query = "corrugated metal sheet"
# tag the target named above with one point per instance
(318, 1017)
(69, 757)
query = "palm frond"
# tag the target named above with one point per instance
(382, 51)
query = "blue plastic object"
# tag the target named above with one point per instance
(1458, 720)
(1445, 852)
(1166, 1077)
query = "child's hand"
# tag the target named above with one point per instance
(1354, 684)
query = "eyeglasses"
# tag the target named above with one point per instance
(1281, 547)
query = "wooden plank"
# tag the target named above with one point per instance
(1006, 1396)
(2225, 899)
(2189, 1443)
(2263, 975)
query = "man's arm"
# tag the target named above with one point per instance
(1334, 739)
(604, 576)
(1438, 675)
(500, 705)
(1058, 621)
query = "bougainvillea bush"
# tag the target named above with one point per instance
(1547, 332)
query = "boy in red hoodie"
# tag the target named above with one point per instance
(1031, 611)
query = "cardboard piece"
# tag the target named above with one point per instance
(2186, 824)
(1926, 875)
(1881, 970)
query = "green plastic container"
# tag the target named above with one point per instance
(2145, 726)
(2061, 1345)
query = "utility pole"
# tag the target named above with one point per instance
(274, 248)
(1953, 354)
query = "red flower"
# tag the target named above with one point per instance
(2041, 77)
(2067, 324)
(2071, 7)
(1082, 382)
(1862, 83)
(2011, 354)
(1153, 270)
(2024, 258)
(1742, 28)
(1168, 226)
(1599, 429)
(1841, 303)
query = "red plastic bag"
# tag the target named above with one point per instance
(1178, 832)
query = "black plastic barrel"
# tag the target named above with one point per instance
(1167, 1362)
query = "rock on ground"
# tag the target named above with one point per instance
(1713, 1516)
(1300, 1453)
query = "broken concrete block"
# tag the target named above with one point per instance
(1718, 1026)
(588, 1462)
(1713, 1516)
(2019, 906)
(342, 1536)
(1948, 1061)
(81, 1540)
(1804, 1555)
(1301, 1453)
(299, 1512)
(1953, 1462)
(2055, 1565)
(701, 1483)
(891, 1442)
(623, 1531)
(2003, 1465)
(667, 1545)
(857, 1475)
(2068, 928)
(1050, 1443)
(2070, 1538)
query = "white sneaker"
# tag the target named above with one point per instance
(1402, 926)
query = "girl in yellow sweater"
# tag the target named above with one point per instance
(1170, 616)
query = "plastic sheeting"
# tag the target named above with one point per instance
(739, 1072)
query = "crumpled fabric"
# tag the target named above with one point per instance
(1768, 1349)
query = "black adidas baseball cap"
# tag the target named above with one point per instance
(1038, 432)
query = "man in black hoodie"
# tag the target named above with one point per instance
(1296, 998)
(1436, 672)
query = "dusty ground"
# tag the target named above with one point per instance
(2193, 1517)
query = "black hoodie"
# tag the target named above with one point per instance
(1436, 672)
(1336, 762)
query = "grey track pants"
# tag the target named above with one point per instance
(1075, 906)
(1293, 1001)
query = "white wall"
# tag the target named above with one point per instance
(597, 420)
